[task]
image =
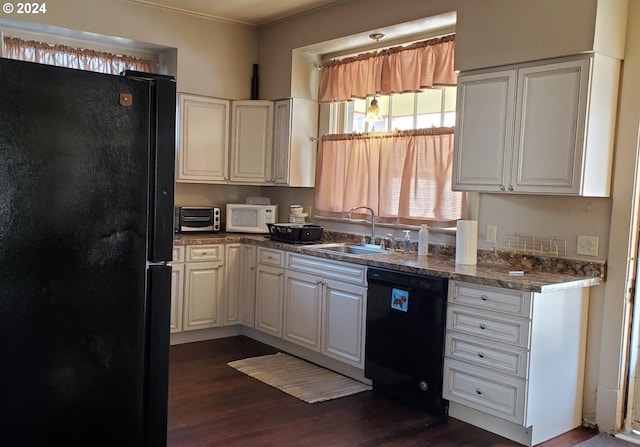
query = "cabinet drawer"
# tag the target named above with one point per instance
(178, 253)
(500, 395)
(470, 321)
(327, 269)
(270, 256)
(205, 252)
(491, 298)
(499, 357)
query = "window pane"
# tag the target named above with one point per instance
(402, 108)
(429, 108)
(450, 99)
(449, 106)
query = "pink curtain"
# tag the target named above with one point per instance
(64, 56)
(395, 70)
(404, 176)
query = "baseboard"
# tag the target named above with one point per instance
(205, 334)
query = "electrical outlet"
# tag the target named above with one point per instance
(587, 245)
(492, 233)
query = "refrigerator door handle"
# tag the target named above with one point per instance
(162, 169)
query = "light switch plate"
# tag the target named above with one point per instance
(587, 245)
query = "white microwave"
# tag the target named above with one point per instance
(244, 218)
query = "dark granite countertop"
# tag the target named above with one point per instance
(541, 274)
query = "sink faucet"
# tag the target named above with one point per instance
(373, 219)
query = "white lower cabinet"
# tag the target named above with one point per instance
(269, 291)
(302, 309)
(239, 284)
(177, 289)
(324, 307)
(514, 361)
(343, 319)
(204, 275)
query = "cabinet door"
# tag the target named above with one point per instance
(233, 277)
(343, 322)
(203, 289)
(269, 298)
(204, 139)
(294, 142)
(484, 131)
(281, 141)
(251, 141)
(240, 284)
(177, 297)
(550, 127)
(247, 284)
(302, 309)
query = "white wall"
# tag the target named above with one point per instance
(214, 58)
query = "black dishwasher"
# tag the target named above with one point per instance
(404, 346)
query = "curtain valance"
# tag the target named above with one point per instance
(79, 58)
(395, 70)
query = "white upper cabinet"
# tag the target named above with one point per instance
(270, 143)
(538, 128)
(294, 142)
(203, 135)
(251, 141)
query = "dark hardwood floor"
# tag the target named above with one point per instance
(212, 404)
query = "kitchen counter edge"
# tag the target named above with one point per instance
(433, 265)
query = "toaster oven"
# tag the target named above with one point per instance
(194, 219)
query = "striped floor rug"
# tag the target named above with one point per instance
(306, 381)
(605, 440)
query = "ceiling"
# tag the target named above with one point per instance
(249, 12)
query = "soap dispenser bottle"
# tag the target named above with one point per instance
(407, 241)
(423, 240)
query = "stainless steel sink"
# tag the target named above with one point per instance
(348, 249)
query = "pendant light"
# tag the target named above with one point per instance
(373, 112)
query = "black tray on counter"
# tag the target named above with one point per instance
(295, 233)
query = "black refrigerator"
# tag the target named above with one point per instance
(86, 229)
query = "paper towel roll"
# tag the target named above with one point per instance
(467, 242)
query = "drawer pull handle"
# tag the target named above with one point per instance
(204, 253)
(483, 326)
(479, 391)
(484, 297)
(481, 354)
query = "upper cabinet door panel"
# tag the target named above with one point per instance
(549, 138)
(203, 139)
(484, 130)
(251, 141)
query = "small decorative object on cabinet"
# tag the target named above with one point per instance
(544, 127)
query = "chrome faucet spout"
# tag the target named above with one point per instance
(373, 219)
